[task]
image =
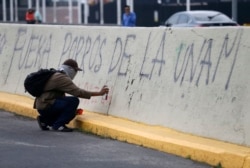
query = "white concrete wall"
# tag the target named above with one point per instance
(191, 80)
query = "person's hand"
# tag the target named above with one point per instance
(104, 90)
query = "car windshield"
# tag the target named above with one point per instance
(210, 17)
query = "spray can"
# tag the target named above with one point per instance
(105, 96)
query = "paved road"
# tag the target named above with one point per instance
(24, 145)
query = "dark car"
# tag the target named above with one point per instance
(199, 18)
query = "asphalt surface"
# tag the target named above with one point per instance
(24, 145)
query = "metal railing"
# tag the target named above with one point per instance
(72, 9)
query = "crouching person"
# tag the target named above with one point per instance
(55, 108)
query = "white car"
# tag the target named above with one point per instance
(199, 18)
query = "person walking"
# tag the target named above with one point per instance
(128, 17)
(55, 108)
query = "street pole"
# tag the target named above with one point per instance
(132, 5)
(54, 12)
(29, 4)
(37, 5)
(4, 10)
(101, 13)
(86, 12)
(234, 10)
(70, 11)
(11, 11)
(16, 10)
(79, 11)
(119, 13)
(44, 11)
(188, 5)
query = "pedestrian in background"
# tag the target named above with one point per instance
(128, 18)
(30, 16)
(38, 17)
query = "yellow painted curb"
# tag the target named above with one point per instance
(18, 104)
(247, 163)
(167, 140)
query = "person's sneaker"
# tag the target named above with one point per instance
(43, 126)
(63, 128)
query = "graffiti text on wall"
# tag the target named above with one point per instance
(193, 61)
(198, 64)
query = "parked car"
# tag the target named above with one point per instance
(199, 18)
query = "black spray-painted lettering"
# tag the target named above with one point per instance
(96, 62)
(187, 60)
(206, 62)
(29, 49)
(125, 60)
(160, 52)
(227, 53)
(79, 48)
(116, 55)
(194, 61)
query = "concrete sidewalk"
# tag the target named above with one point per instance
(163, 139)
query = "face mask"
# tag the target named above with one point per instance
(68, 70)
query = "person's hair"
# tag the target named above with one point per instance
(126, 6)
(30, 10)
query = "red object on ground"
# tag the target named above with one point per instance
(79, 111)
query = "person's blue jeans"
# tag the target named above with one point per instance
(61, 112)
